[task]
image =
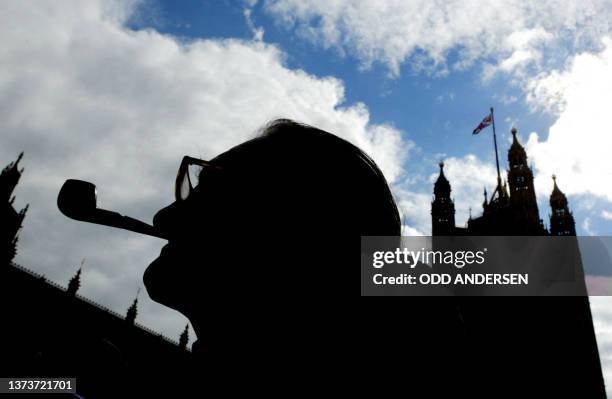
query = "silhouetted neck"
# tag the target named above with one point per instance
(232, 348)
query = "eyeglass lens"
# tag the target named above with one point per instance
(188, 179)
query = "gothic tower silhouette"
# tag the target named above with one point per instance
(522, 191)
(11, 219)
(75, 282)
(184, 338)
(561, 219)
(512, 209)
(132, 312)
(442, 207)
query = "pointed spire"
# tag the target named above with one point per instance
(442, 186)
(132, 311)
(184, 338)
(441, 165)
(442, 206)
(558, 200)
(75, 282)
(9, 178)
(561, 220)
(485, 202)
(516, 154)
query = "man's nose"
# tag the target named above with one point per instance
(167, 220)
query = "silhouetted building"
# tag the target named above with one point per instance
(561, 219)
(49, 330)
(512, 208)
(547, 343)
(184, 338)
(132, 311)
(75, 282)
(11, 219)
(442, 207)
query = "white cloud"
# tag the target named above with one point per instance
(415, 209)
(87, 98)
(258, 32)
(602, 319)
(524, 49)
(606, 215)
(556, 52)
(521, 39)
(411, 231)
(578, 143)
(509, 34)
(468, 177)
(587, 226)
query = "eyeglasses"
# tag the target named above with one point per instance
(191, 168)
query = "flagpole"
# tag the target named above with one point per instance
(495, 144)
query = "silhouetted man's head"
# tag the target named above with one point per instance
(289, 201)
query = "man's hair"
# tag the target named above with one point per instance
(325, 183)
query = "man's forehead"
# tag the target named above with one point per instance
(242, 153)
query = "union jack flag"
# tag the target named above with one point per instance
(485, 122)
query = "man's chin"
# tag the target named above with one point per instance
(163, 285)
